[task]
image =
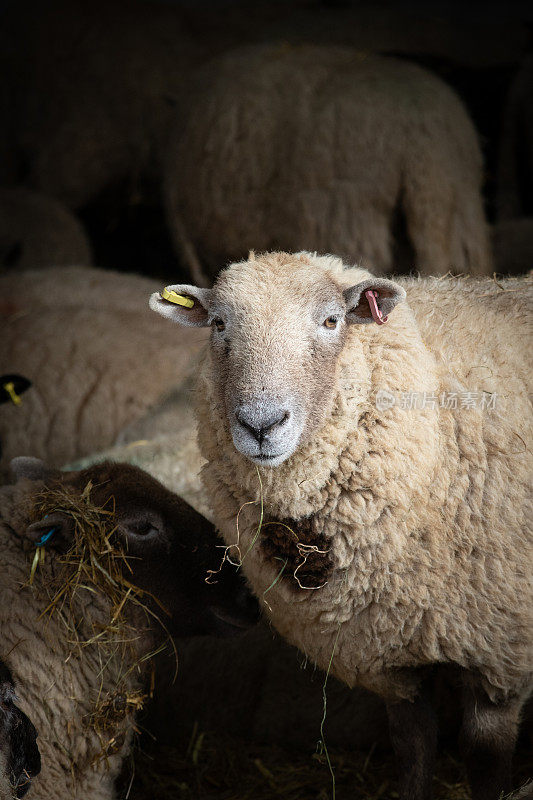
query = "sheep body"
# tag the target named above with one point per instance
(322, 147)
(38, 231)
(423, 512)
(93, 372)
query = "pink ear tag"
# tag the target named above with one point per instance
(374, 309)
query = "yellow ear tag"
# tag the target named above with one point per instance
(10, 389)
(178, 299)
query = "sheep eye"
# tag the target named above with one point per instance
(142, 530)
(219, 324)
(331, 322)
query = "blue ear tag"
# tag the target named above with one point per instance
(40, 553)
(45, 537)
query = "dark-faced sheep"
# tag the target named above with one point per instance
(20, 760)
(390, 467)
(82, 693)
(92, 373)
(324, 148)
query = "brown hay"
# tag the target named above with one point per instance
(97, 563)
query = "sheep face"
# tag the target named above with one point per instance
(171, 548)
(278, 328)
(20, 760)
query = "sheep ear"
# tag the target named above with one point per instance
(54, 530)
(32, 468)
(194, 311)
(387, 295)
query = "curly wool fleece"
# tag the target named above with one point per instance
(423, 510)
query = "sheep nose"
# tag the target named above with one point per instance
(259, 425)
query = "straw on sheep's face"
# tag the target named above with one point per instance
(170, 547)
(277, 332)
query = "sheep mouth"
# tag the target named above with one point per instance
(266, 458)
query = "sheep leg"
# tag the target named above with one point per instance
(413, 734)
(488, 736)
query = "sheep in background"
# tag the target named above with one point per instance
(386, 518)
(20, 760)
(328, 149)
(92, 372)
(38, 231)
(111, 73)
(83, 696)
(174, 412)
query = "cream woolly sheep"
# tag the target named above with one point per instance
(20, 760)
(65, 685)
(324, 148)
(37, 231)
(394, 533)
(93, 372)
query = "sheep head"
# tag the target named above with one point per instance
(279, 324)
(170, 548)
